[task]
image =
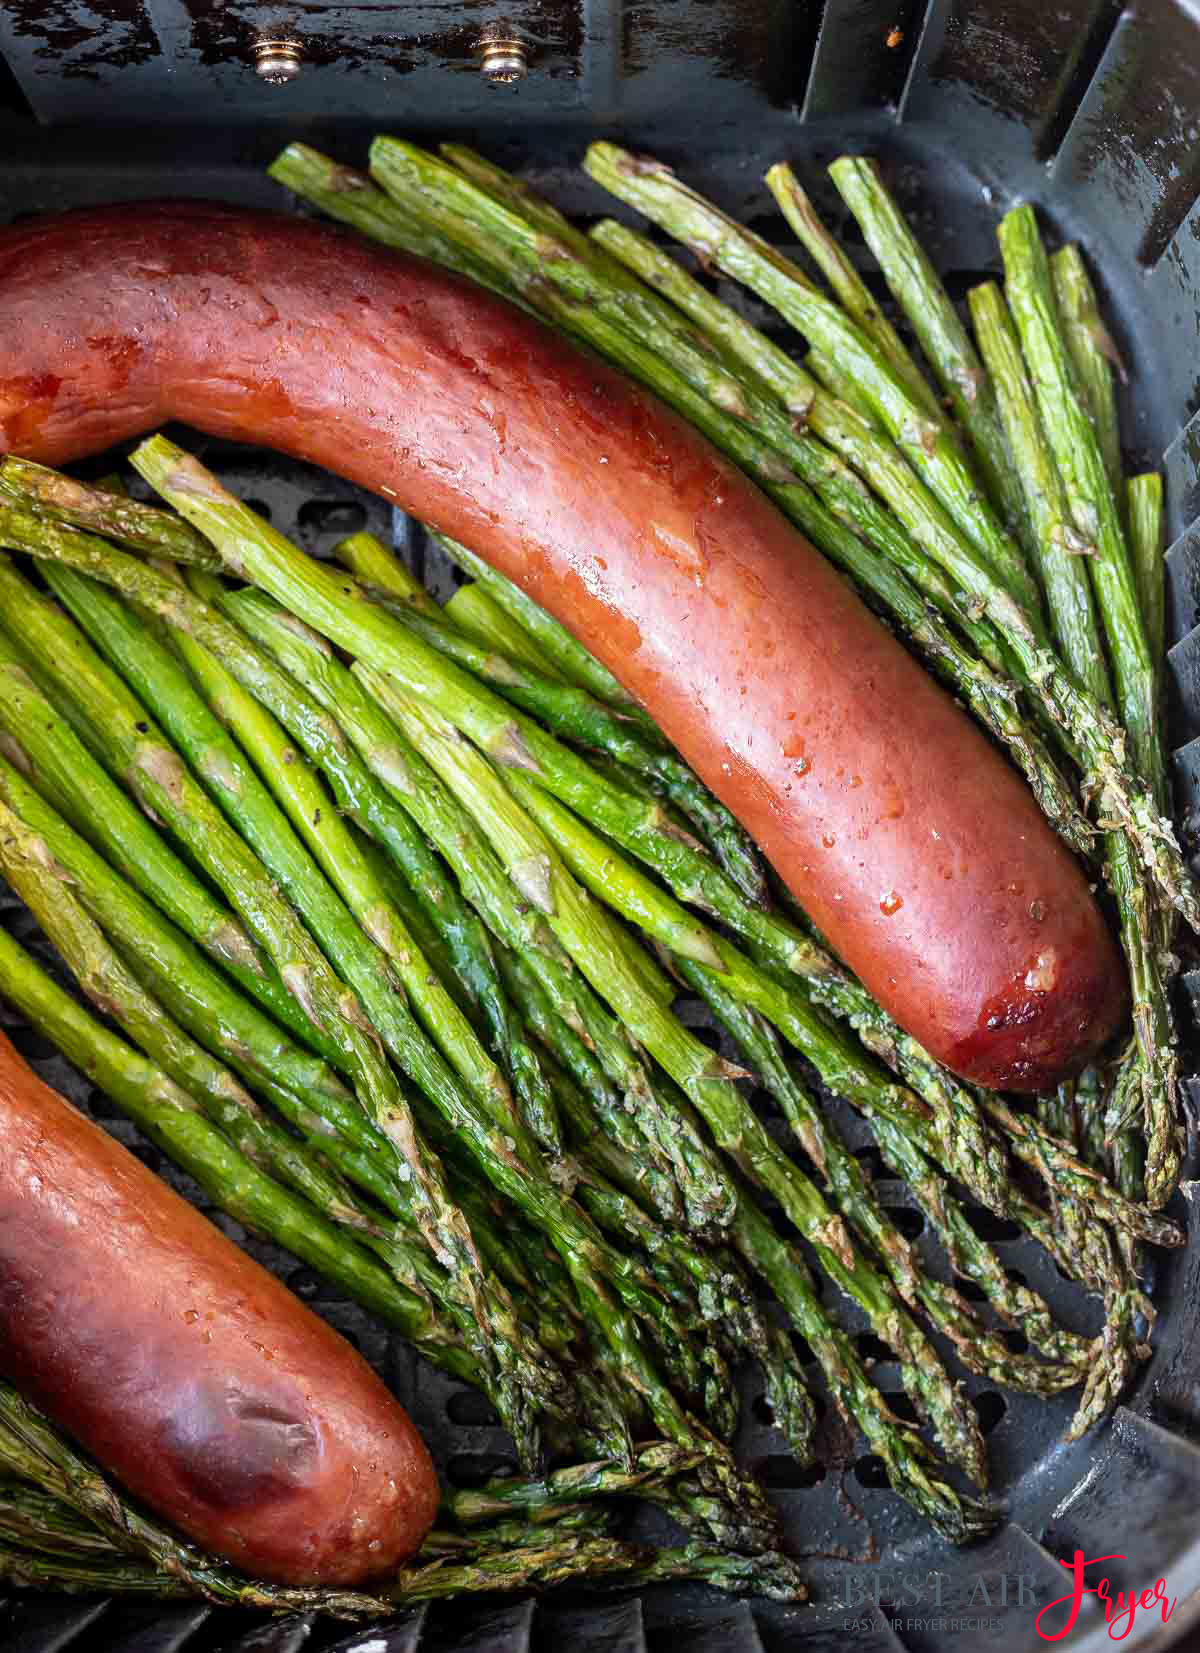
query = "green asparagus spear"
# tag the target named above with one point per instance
(1077, 450)
(1058, 550)
(1144, 512)
(848, 286)
(145, 528)
(917, 288)
(370, 561)
(353, 199)
(475, 611)
(1094, 355)
(568, 656)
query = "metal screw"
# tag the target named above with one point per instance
(278, 61)
(503, 59)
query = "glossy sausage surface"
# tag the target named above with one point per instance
(189, 1372)
(916, 849)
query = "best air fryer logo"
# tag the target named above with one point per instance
(930, 1602)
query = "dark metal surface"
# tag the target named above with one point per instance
(1088, 110)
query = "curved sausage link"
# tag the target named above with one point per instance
(915, 848)
(186, 1369)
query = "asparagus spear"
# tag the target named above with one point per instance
(171, 1119)
(476, 612)
(1081, 464)
(918, 289)
(145, 528)
(1094, 355)
(848, 286)
(352, 199)
(655, 1463)
(370, 561)
(1057, 548)
(928, 443)
(1144, 513)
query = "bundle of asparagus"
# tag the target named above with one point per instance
(450, 826)
(63, 1527)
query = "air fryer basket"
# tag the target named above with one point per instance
(1091, 111)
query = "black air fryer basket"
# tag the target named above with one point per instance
(1090, 111)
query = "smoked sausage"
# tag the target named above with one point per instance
(909, 840)
(187, 1370)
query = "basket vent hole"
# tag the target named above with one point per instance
(475, 1469)
(871, 1347)
(991, 1408)
(969, 1290)
(471, 1410)
(764, 1104)
(259, 507)
(783, 1472)
(34, 1046)
(900, 1404)
(996, 1230)
(99, 1105)
(803, 1353)
(871, 1471)
(335, 517)
(909, 1221)
(871, 1161)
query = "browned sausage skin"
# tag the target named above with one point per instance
(186, 1369)
(917, 850)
